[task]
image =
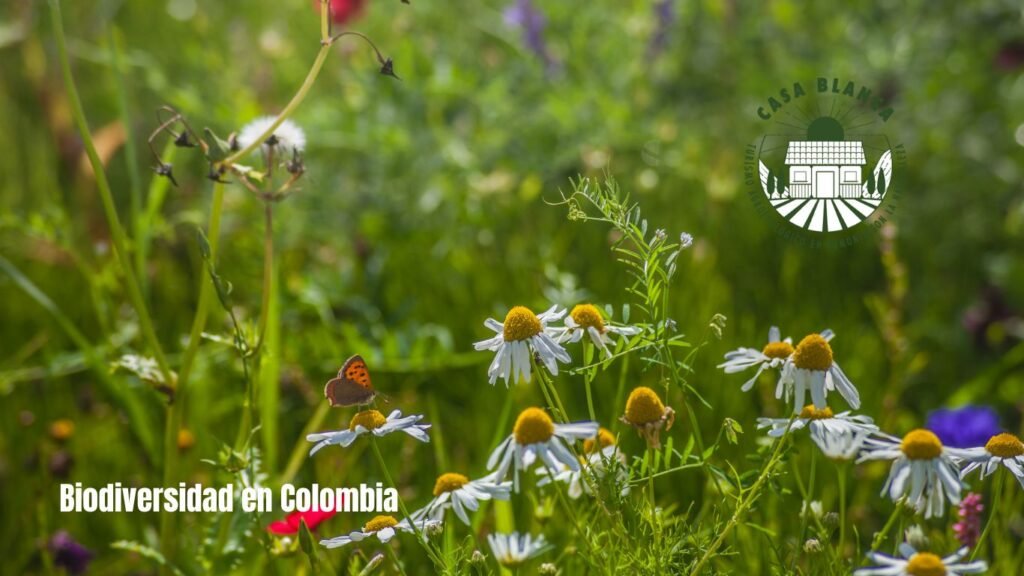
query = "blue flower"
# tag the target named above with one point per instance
(964, 427)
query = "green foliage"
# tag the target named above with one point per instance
(423, 209)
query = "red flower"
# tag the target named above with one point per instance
(343, 11)
(290, 525)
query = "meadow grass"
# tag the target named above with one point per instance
(163, 331)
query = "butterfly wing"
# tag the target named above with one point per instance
(352, 386)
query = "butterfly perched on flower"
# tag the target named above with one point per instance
(353, 386)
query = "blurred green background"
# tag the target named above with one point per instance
(423, 211)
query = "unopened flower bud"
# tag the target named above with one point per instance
(916, 537)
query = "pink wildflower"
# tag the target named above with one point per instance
(968, 529)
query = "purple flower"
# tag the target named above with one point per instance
(523, 14)
(665, 15)
(965, 427)
(69, 554)
(968, 529)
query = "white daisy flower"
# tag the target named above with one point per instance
(522, 334)
(839, 436)
(923, 470)
(459, 493)
(914, 563)
(511, 550)
(811, 367)
(602, 455)
(383, 527)
(773, 355)
(587, 319)
(536, 437)
(1002, 449)
(287, 137)
(374, 422)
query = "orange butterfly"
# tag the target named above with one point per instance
(352, 387)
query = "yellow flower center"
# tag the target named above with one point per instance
(186, 439)
(811, 413)
(778, 350)
(521, 323)
(62, 429)
(588, 316)
(926, 564)
(379, 523)
(813, 353)
(449, 482)
(369, 419)
(532, 426)
(644, 406)
(603, 440)
(921, 444)
(1005, 446)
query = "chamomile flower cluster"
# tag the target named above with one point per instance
(570, 455)
(809, 367)
(924, 474)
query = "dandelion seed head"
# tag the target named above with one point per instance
(521, 324)
(926, 564)
(813, 353)
(369, 419)
(449, 482)
(603, 440)
(811, 413)
(378, 523)
(588, 316)
(644, 406)
(1005, 445)
(288, 136)
(533, 426)
(921, 444)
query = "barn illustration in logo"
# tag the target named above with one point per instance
(821, 176)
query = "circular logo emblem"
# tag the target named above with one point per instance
(825, 164)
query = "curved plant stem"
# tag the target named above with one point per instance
(301, 449)
(420, 537)
(175, 411)
(268, 273)
(650, 477)
(307, 84)
(394, 558)
(841, 472)
(880, 537)
(997, 490)
(744, 504)
(117, 233)
(588, 378)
